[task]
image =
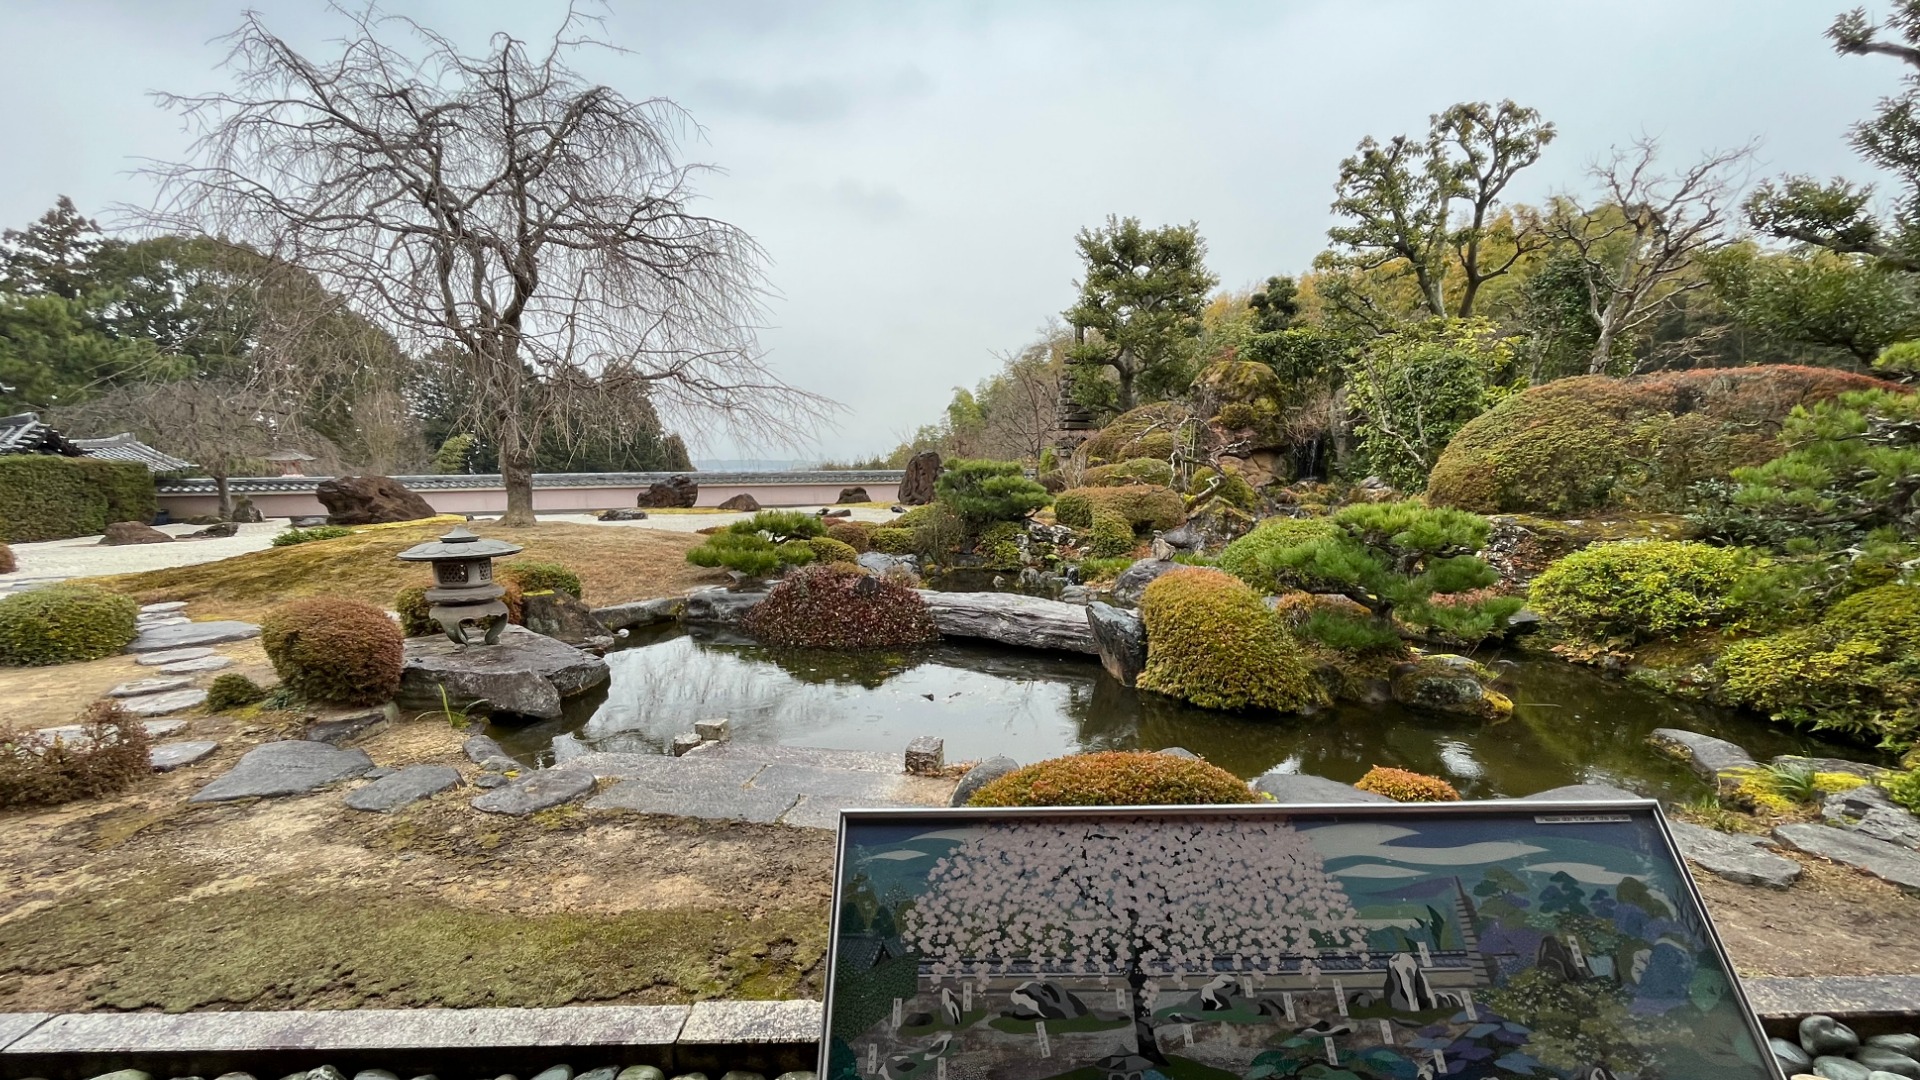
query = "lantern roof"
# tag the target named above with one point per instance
(458, 543)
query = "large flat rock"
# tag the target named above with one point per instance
(142, 687)
(285, 768)
(1029, 622)
(1740, 859)
(173, 656)
(189, 635)
(1888, 862)
(168, 756)
(639, 613)
(1704, 754)
(717, 605)
(526, 674)
(719, 802)
(172, 701)
(535, 792)
(1306, 789)
(403, 788)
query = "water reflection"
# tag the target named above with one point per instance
(1570, 725)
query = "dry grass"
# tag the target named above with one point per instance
(615, 564)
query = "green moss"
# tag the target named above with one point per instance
(827, 550)
(1242, 557)
(1115, 778)
(535, 575)
(1137, 471)
(152, 943)
(892, 541)
(1111, 537)
(1240, 395)
(1000, 546)
(1211, 641)
(1209, 484)
(62, 623)
(1150, 431)
(1857, 671)
(232, 691)
(1142, 505)
(1642, 591)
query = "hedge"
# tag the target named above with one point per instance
(43, 497)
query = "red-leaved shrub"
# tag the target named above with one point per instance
(840, 606)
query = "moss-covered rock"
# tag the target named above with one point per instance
(1244, 398)
(1857, 671)
(1214, 486)
(1111, 537)
(826, 549)
(1142, 505)
(1211, 641)
(1577, 444)
(1639, 591)
(1150, 431)
(1138, 471)
(1404, 785)
(1241, 558)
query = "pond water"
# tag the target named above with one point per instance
(1570, 724)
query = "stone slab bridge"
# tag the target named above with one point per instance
(553, 493)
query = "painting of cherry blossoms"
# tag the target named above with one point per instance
(1385, 942)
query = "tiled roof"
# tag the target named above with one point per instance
(124, 447)
(23, 433)
(245, 485)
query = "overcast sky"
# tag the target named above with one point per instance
(917, 171)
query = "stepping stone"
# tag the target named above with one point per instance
(161, 620)
(169, 756)
(172, 701)
(184, 635)
(1888, 862)
(148, 686)
(74, 734)
(1306, 788)
(346, 729)
(285, 768)
(162, 608)
(1704, 754)
(1740, 859)
(409, 785)
(172, 656)
(195, 667)
(535, 792)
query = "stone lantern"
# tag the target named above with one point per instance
(463, 589)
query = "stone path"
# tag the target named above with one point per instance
(1888, 862)
(186, 635)
(284, 768)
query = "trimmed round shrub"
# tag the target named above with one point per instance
(7, 562)
(111, 753)
(892, 541)
(332, 650)
(834, 605)
(1856, 671)
(826, 549)
(1212, 641)
(1138, 471)
(1111, 536)
(1241, 558)
(1115, 778)
(534, 575)
(1644, 590)
(233, 691)
(1142, 505)
(1403, 785)
(290, 537)
(63, 623)
(1595, 441)
(854, 534)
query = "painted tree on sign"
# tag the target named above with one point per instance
(1125, 896)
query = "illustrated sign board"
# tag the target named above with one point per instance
(1556, 940)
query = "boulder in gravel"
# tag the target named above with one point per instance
(536, 791)
(284, 768)
(675, 491)
(852, 495)
(923, 470)
(622, 514)
(122, 533)
(370, 500)
(402, 788)
(743, 502)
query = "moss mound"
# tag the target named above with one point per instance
(1242, 396)
(1594, 441)
(1150, 431)
(1403, 785)
(1639, 591)
(1857, 671)
(1211, 641)
(1242, 558)
(1142, 506)
(1138, 471)
(232, 691)
(833, 605)
(854, 534)
(62, 623)
(337, 651)
(1115, 778)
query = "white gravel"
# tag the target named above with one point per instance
(84, 556)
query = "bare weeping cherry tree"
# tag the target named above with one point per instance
(499, 207)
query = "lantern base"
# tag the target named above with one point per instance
(453, 618)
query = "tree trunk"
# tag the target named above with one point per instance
(1602, 351)
(225, 495)
(516, 472)
(1146, 1045)
(1126, 386)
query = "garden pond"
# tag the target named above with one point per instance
(1570, 724)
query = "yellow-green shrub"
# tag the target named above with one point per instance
(1150, 431)
(232, 690)
(1142, 505)
(854, 534)
(892, 541)
(1644, 590)
(828, 550)
(1226, 487)
(1115, 778)
(1903, 788)
(1111, 536)
(333, 650)
(1404, 785)
(535, 575)
(62, 623)
(1211, 641)
(1242, 557)
(1856, 671)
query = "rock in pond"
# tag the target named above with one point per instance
(1580, 793)
(1012, 619)
(284, 768)
(1307, 789)
(1704, 754)
(187, 635)
(563, 617)
(1888, 862)
(526, 674)
(1133, 581)
(536, 791)
(1121, 639)
(1448, 683)
(1740, 859)
(718, 605)
(980, 776)
(879, 562)
(407, 786)
(638, 613)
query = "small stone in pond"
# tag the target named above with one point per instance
(558, 1072)
(685, 743)
(715, 730)
(641, 1072)
(1823, 1035)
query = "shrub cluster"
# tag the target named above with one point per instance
(1115, 778)
(333, 650)
(761, 545)
(855, 534)
(1150, 471)
(837, 606)
(1594, 441)
(1142, 505)
(1641, 590)
(110, 753)
(999, 546)
(1856, 671)
(981, 492)
(1403, 785)
(1211, 641)
(62, 623)
(1242, 557)
(290, 537)
(534, 575)
(1903, 788)
(233, 691)
(828, 550)
(47, 497)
